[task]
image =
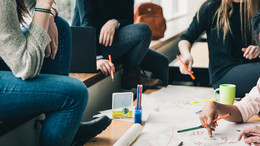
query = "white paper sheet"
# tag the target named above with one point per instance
(161, 129)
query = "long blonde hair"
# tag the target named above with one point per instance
(225, 11)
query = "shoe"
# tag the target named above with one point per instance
(90, 129)
(130, 79)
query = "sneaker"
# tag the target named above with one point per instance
(130, 79)
(88, 130)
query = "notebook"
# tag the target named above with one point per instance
(83, 50)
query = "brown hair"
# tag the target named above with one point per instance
(21, 10)
(225, 11)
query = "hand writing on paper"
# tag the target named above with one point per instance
(105, 66)
(251, 52)
(251, 135)
(207, 115)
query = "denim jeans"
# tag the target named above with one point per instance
(131, 46)
(244, 76)
(61, 98)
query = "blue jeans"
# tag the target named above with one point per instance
(244, 76)
(61, 98)
(131, 46)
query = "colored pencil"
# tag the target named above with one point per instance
(203, 125)
(140, 98)
(137, 98)
(189, 129)
(111, 69)
(186, 68)
(203, 101)
(181, 143)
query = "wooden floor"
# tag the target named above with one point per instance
(118, 128)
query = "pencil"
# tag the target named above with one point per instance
(186, 68)
(111, 69)
(189, 129)
(203, 125)
(141, 91)
(181, 143)
(215, 120)
(137, 96)
(203, 101)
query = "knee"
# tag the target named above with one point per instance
(164, 60)
(144, 30)
(63, 27)
(77, 91)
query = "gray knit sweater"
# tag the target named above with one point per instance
(24, 54)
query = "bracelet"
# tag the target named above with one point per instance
(52, 14)
(55, 12)
(43, 10)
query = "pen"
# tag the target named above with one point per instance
(111, 69)
(140, 98)
(215, 120)
(203, 125)
(186, 68)
(181, 143)
(203, 101)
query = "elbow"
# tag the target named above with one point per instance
(29, 68)
(25, 74)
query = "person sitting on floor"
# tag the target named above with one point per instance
(233, 54)
(240, 111)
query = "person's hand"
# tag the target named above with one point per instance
(52, 48)
(105, 66)
(253, 138)
(251, 52)
(208, 114)
(107, 33)
(188, 61)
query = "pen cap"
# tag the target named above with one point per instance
(138, 115)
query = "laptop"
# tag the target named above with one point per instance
(83, 50)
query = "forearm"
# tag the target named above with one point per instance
(185, 47)
(223, 109)
(42, 18)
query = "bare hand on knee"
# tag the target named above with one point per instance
(107, 33)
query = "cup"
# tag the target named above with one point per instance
(227, 93)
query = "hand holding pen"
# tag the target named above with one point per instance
(186, 66)
(204, 124)
(111, 69)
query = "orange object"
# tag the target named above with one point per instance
(215, 120)
(152, 15)
(191, 75)
(111, 69)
